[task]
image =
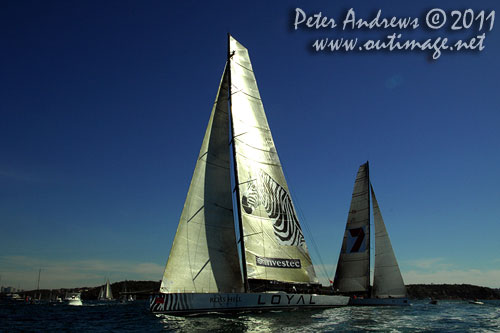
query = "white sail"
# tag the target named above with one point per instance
(353, 268)
(101, 293)
(204, 256)
(274, 244)
(387, 280)
(109, 293)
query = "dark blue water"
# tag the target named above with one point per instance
(135, 317)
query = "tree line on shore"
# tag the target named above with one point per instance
(143, 289)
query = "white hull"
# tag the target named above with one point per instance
(191, 303)
(75, 302)
(73, 299)
(379, 301)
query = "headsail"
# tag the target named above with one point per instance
(387, 280)
(353, 268)
(274, 244)
(204, 256)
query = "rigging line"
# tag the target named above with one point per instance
(303, 218)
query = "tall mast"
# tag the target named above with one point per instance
(369, 232)
(38, 284)
(236, 182)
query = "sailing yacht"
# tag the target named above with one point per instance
(125, 296)
(352, 276)
(105, 294)
(204, 271)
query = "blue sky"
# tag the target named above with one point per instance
(104, 106)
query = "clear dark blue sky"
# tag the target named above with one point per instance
(104, 104)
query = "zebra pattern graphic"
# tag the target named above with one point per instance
(169, 302)
(267, 192)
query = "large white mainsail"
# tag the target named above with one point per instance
(387, 279)
(204, 256)
(353, 268)
(274, 245)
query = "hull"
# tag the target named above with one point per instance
(192, 303)
(73, 299)
(379, 301)
(75, 302)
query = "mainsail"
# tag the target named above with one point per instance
(353, 268)
(274, 245)
(387, 280)
(204, 256)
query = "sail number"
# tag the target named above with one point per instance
(355, 243)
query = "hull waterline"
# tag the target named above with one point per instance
(193, 303)
(379, 301)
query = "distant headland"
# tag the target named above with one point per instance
(142, 290)
(451, 291)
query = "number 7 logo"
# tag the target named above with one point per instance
(356, 240)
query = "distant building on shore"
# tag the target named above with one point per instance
(9, 290)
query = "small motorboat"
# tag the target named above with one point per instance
(477, 302)
(73, 299)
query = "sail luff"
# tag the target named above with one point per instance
(387, 281)
(204, 256)
(274, 244)
(353, 268)
(236, 178)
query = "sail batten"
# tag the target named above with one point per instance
(274, 246)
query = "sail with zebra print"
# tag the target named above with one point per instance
(208, 269)
(274, 245)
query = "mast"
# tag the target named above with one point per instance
(369, 231)
(38, 284)
(236, 182)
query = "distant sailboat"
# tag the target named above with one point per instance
(353, 269)
(203, 269)
(105, 294)
(125, 296)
